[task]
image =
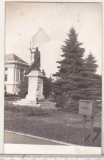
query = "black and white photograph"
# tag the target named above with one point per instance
(53, 74)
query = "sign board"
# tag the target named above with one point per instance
(86, 107)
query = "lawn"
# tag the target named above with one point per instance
(57, 125)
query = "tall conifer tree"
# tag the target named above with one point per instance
(67, 86)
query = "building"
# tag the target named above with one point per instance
(14, 69)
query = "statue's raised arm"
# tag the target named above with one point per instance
(36, 63)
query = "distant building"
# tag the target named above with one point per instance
(14, 70)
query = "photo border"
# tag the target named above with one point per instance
(24, 149)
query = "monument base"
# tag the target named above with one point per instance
(25, 102)
(43, 104)
(35, 81)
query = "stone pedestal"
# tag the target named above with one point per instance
(35, 81)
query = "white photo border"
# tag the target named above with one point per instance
(32, 149)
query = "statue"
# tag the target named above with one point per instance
(36, 63)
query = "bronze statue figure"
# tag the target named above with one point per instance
(36, 63)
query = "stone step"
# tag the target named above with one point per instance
(49, 106)
(34, 102)
(28, 100)
(35, 105)
(27, 104)
(44, 104)
(20, 102)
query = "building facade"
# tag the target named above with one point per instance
(15, 68)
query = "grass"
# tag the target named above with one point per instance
(25, 110)
(58, 125)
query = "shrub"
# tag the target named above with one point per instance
(26, 110)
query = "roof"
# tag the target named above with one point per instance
(13, 58)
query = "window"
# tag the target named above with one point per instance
(6, 68)
(5, 77)
(21, 74)
(17, 75)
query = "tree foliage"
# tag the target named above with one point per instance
(76, 77)
(23, 85)
(91, 80)
(47, 85)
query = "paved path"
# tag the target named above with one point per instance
(18, 138)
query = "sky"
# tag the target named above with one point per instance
(23, 21)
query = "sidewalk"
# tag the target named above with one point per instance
(19, 138)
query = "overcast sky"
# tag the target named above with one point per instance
(24, 19)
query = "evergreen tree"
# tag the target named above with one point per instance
(24, 84)
(47, 85)
(67, 86)
(91, 81)
(90, 64)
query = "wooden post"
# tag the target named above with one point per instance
(92, 125)
(84, 129)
